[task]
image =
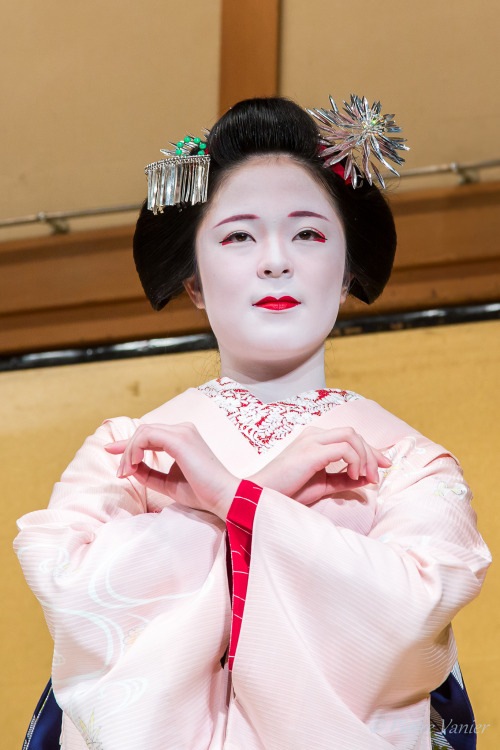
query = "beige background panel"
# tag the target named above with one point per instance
(434, 63)
(443, 381)
(93, 91)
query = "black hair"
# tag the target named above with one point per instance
(164, 244)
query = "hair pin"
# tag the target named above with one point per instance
(182, 177)
(360, 135)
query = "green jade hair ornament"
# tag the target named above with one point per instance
(182, 177)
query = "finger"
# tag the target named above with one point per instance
(324, 484)
(361, 449)
(350, 436)
(125, 471)
(136, 454)
(146, 437)
(128, 463)
(155, 480)
(382, 459)
(151, 437)
(336, 435)
(373, 457)
(121, 447)
(372, 464)
(116, 447)
(341, 452)
(377, 460)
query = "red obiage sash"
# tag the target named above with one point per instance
(239, 523)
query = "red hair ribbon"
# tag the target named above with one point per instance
(337, 168)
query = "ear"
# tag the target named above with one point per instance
(345, 288)
(193, 288)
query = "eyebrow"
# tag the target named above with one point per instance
(236, 217)
(293, 215)
(302, 214)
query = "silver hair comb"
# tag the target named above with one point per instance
(180, 178)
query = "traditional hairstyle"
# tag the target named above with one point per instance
(164, 244)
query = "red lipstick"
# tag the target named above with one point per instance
(272, 303)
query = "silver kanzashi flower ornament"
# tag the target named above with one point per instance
(360, 136)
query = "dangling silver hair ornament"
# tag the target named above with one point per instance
(360, 136)
(180, 178)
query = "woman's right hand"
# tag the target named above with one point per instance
(300, 469)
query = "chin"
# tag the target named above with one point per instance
(281, 349)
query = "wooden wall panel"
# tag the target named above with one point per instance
(249, 50)
(81, 289)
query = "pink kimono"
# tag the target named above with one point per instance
(340, 623)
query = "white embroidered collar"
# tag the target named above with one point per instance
(264, 424)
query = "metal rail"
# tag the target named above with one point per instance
(58, 220)
(468, 171)
(203, 341)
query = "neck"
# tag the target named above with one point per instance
(275, 381)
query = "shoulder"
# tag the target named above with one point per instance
(379, 418)
(384, 430)
(377, 425)
(185, 407)
(181, 408)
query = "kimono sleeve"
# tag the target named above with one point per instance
(363, 620)
(124, 591)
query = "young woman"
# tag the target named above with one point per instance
(261, 563)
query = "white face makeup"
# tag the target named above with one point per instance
(271, 255)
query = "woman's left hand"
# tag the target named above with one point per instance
(196, 479)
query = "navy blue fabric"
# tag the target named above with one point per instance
(453, 705)
(47, 721)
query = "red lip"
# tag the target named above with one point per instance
(272, 303)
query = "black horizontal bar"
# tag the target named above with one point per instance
(204, 341)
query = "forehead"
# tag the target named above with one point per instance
(270, 184)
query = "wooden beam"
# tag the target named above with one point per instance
(249, 50)
(448, 250)
(81, 289)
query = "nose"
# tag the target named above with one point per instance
(274, 261)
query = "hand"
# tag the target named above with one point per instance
(300, 470)
(197, 479)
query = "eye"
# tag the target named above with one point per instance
(236, 237)
(310, 234)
